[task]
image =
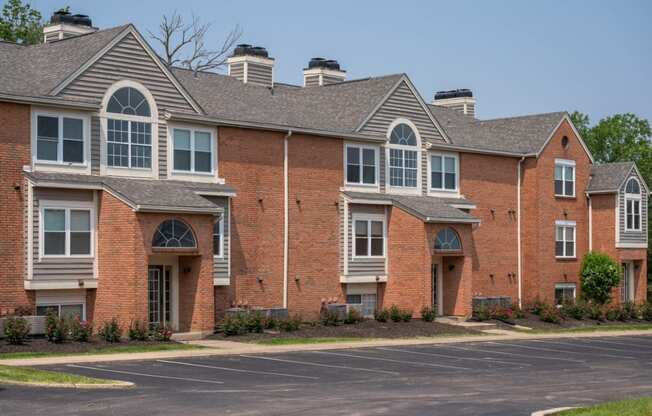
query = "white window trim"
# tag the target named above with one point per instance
(634, 197)
(566, 163)
(67, 206)
(567, 286)
(105, 169)
(59, 165)
(221, 255)
(566, 224)
(209, 177)
(60, 304)
(192, 170)
(388, 184)
(368, 218)
(442, 191)
(360, 184)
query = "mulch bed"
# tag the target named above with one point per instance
(365, 329)
(534, 322)
(42, 345)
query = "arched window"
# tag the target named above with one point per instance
(129, 129)
(447, 239)
(403, 156)
(173, 234)
(633, 205)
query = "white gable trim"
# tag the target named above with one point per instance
(416, 94)
(130, 29)
(639, 178)
(565, 118)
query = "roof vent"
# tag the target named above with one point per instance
(322, 71)
(251, 65)
(64, 25)
(461, 100)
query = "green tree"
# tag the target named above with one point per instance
(599, 274)
(20, 23)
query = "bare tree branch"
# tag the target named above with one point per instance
(184, 44)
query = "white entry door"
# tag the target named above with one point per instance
(158, 292)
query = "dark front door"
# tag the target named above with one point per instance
(158, 289)
(434, 287)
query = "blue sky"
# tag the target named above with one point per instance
(518, 57)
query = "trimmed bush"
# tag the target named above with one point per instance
(270, 323)
(406, 315)
(646, 311)
(596, 312)
(234, 325)
(550, 314)
(111, 331)
(329, 318)
(16, 330)
(575, 310)
(56, 329)
(254, 322)
(599, 274)
(428, 314)
(290, 324)
(612, 314)
(395, 314)
(161, 333)
(353, 316)
(482, 313)
(518, 313)
(536, 307)
(381, 315)
(80, 331)
(138, 330)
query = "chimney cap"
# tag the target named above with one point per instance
(245, 49)
(323, 63)
(64, 16)
(461, 92)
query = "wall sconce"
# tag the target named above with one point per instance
(636, 266)
(565, 213)
(297, 279)
(337, 203)
(260, 279)
(298, 199)
(187, 269)
(451, 267)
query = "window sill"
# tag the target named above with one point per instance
(64, 257)
(565, 196)
(359, 258)
(188, 172)
(564, 258)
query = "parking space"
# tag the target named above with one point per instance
(479, 377)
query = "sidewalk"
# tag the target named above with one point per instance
(215, 347)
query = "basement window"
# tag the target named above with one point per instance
(564, 293)
(61, 310)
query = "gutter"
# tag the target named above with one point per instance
(53, 101)
(519, 259)
(286, 207)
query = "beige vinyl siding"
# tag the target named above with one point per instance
(58, 268)
(328, 79)
(127, 60)
(259, 74)
(221, 264)
(96, 146)
(637, 237)
(237, 70)
(362, 266)
(311, 81)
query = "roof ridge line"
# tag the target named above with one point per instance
(521, 116)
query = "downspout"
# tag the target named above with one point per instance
(286, 207)
(590, 222)
(518, 232)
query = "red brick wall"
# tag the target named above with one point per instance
(14, 154)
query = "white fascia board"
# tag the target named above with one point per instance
(60, 284)
(363, 279)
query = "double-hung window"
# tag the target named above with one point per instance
(565, 239)
(66, 231)
(564, 177)
(403, 157)
(564, 293)
(218, 236)
(129, 130)
(444, 172)
(369, 238)
(361, 165)
(192, 151)
(633, 205)
(59, 139)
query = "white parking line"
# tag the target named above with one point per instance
(435, 354)
(195, 380)
(514, 354)
(363, 357)
(581, 344)
(626, 343)
(560, 351)
(238, 370)
(340, 367)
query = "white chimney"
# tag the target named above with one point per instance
(65, 25)
(322, 71)
(251, 65)
(461, 100)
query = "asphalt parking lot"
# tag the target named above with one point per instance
(477, 378)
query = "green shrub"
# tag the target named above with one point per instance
(428, 314)
(381, 315)
(161, 333)
(254, 322)
(329, 318)
(612, 314)
(234, 324)
(80, 331)
(290, 324)
(518, 312)
(56, 329)
(599, 274)
(111, 331)
(630, 310)
(536, 307)
(595, 311)
(16, 329)
(353, 316)
(395, 314)
(646, 311)
(138, 330)
(575, 310)
(482, 313)
(270, 323)
(550, 314)
(406, 315)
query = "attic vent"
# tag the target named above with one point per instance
(252, 65)
(322, 71)
(65, 25)
(461, 100)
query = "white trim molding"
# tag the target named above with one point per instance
(67, 206)
(381, 278)
(192, 176)
(360, 186)
(368, 218)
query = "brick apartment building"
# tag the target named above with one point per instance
(138, 191)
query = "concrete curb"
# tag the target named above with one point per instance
(550, 412)
(216, 347)
(114, 384)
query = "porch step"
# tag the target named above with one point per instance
(460, 321)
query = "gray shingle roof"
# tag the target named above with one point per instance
(144, 194)
(428, 208)
(608, 177)
(35, 70)
(338, 108)
(521, 135)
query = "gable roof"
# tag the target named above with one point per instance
(609, 177)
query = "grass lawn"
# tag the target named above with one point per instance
(9, 374)
(108, 349)
(632, 407)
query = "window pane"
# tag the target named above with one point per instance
(80, 243)
(202, 162)
(569, 234)
(369, 175)
(354, 299)
(44, 310)
(449, 164)
(117, 154)
(181, 139)
(568, 173)
(46, 149)
(559, 187)
(73, 151)
(217, 237)
(73, 128)
(361, 228)
(570, 248)
(80, 220)
(55, 220)
(353, 173)
(559, 296)
(435, 164)
(54, 243)
(450, 180)
(396, 157)
(141, 156)
(568, 188)
(435, 180)
(559, 248)
(47, 127)
(72, 311)
(376, 246)
(202, 141)
(630, 220)
(559, 236)
(559, 173)
(396, 176)
(182, 160)
(376, 228)
(141, 133)
(361, 246)
(117, 139)
(352, 155)
(369, 157)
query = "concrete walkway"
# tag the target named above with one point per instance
(217, 347)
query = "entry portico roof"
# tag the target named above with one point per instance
(143, 195)
(427, 208)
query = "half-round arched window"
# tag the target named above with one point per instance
(128, 101)
(633, 206)
(633, 187)
(174, 234)
(447, 239)
(403, 135)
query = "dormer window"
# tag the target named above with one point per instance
(403, 157)
(633, 205)
(129, 132)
